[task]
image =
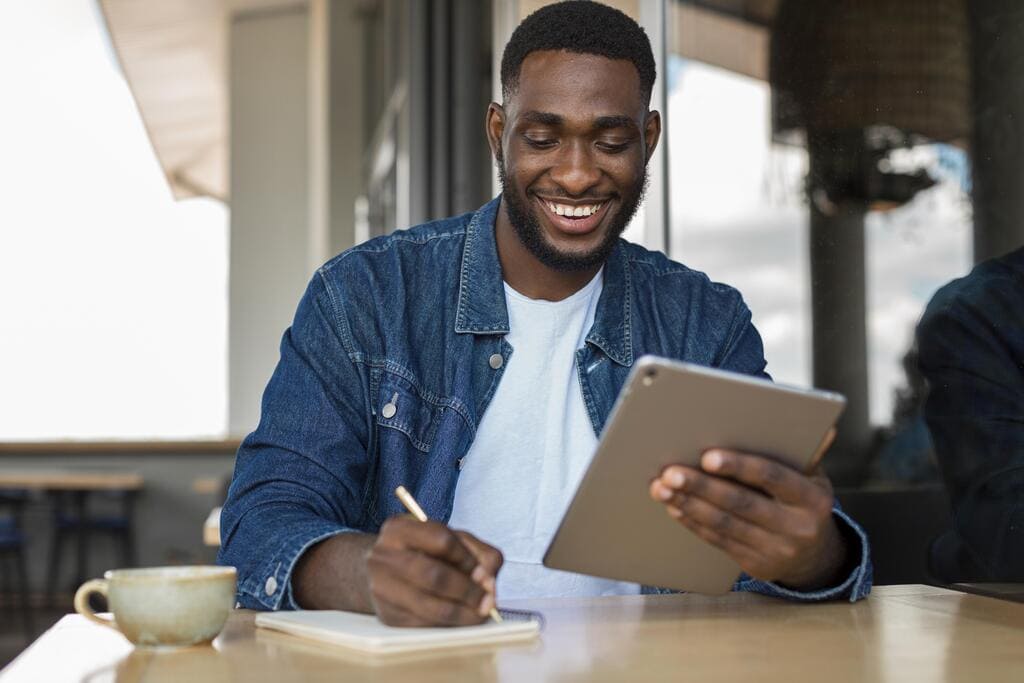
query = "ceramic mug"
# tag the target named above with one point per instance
(163, 606)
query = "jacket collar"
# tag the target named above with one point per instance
(482, 309)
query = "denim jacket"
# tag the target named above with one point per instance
(416, 320)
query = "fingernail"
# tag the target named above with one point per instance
(712, 460)
(676, 478)
(675, 512)
(486, 605)
(664, 493)
(479, 574)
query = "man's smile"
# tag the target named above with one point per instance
(574, 217)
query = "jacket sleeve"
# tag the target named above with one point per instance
(971, 346)
(300, 476)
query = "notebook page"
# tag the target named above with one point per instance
(366, 633)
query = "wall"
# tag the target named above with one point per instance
(270, 210)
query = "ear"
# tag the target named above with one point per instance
(495, 126)
(652, 132)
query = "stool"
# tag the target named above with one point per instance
(72, 521)
(12, 555)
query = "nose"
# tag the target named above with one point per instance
(575, 170)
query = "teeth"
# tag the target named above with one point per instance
(574, 211)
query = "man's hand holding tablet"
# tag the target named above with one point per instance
(773, 520)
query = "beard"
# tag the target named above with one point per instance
(527, 226)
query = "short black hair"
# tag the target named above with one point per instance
(580, 26)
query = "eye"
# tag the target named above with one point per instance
(613, 146)
(539, 143)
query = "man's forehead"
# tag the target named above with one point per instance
(564, 82)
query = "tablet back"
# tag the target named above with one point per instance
(670, 412)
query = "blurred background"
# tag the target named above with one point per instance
(173, 171)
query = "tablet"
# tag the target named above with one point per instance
(671, 412)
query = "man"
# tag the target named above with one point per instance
(474, 360)
(971, 341)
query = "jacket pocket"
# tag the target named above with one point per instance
(400, 407)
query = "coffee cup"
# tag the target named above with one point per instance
(163, 606)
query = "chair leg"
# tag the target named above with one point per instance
(6, 585)
(26, 608)
(130, 558)
(56, 543)
(83, 538)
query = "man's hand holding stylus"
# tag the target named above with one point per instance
(412, 573)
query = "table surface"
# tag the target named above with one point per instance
(901, 633)
(70, 480)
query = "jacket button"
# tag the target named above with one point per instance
(271, 586)
(496, 361)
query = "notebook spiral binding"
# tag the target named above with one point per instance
(522, 615)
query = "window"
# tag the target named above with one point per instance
(113, 297)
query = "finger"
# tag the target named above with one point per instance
(432, 538)
(736, 549)
(751, 562)
(428, 574)
(488, 557)
(725, 525)
(393, 592)
(776, 479)
(724, 494)
(393, 615)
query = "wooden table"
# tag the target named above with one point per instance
(70, 480)
(901, 633)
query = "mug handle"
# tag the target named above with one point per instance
(82, 601)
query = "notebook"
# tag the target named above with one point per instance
(364, 632)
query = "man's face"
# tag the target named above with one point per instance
(572, 144)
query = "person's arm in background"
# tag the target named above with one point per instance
(971, 342)
(295, 505)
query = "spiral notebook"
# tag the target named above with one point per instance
(364, 632)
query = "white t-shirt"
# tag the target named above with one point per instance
(532, 447)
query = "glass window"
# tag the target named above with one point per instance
(113, 296)
(869, 217)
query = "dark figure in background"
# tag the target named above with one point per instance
(971, 342)
(904, 451)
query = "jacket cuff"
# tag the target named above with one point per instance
(269, 587)
(855, 587)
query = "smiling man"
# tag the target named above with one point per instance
(474, 360)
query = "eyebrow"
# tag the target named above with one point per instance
(544, 118)
(607, 122)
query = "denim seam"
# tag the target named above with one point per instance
(627, 316)
(387, 245)
(340, 320)
(451, 402)
(406, 429)
(739, 320)
(467, 252)
(676, 269)
(582, 377)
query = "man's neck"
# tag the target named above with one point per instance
(526, 274)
